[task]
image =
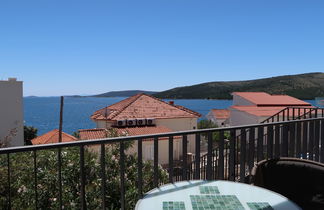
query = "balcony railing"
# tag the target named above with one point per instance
(231, 154)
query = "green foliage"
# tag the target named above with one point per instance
(303, 86)
(23, 181)
(30, 133)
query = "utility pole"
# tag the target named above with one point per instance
(61, 119)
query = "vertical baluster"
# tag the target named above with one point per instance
(298, 113)
(221, 156)
(305, 137)
(231, 168)
(59, 158)
(184, 157)
(322, 140)
(9, 181)
(288, 114)
(316, 113)
(298, 140)
(243, 155)
(122, 174)
(293, 113)
(171, 159)
(292, 140)
(260, 144)
(311, 140)
(277, 141)
(305, 110)
(209, 171)
(82, 179)
(156, 162)
(251, 148)
(270, 142)
(103, 175)
(316, 138)
(197, 157)
(35, 179)
(278, 116)
(140, 167)
(283, 114)
(284, 140)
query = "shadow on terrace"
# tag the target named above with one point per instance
(99, 174)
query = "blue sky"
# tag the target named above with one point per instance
(60, 47)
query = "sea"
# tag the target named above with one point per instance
(43, 112)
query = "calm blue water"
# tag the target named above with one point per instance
(43, 112)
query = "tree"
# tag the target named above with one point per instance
(203, 124)
(30, 133)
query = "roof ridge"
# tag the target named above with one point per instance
(50, 136)
(131, 102)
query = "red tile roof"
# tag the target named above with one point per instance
(86, 134)
(265, 99)
(266, 111)
(221, 113)
(53, 137)
(142, 106)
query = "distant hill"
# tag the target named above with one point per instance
(126, 93)
(302, 86)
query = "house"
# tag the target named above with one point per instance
(254, 107)
(52, 137)
(11, 112)
(144, 114)
(219, 116)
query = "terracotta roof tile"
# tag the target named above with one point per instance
(98, 133)
(221, 113)
(265, 99)
(265, 111)
(53, 137)
(142, 106)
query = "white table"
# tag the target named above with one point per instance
(181, 194)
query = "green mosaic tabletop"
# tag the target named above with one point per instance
(208, 190)
(173, 205)
(215, 202)
(259, 206)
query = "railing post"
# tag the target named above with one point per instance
(197, 157)
(103, 176)
(82, 179)
(260, 144)
(122, 175)
(209, 172)
(59, 158)
(171, 159)
(311, 140)
(140, 168)
(284, 140)
(243, 155)
(316, 138)
(221, 156)
(156, 162)
(270, 142)
(251, 148)
(322, 140)
(9, 181)
(277, 141)
(35, 179)
(231, 168)
(292, 139)
(305, 138)
(184, 157)
(298, 140)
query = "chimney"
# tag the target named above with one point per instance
(12, 79)
(171, 103)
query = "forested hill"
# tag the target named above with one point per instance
(126, 93)
(302, 86)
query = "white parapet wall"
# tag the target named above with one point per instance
(11, 112)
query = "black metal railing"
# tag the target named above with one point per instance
(229, 158)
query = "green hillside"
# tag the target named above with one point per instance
(302, 86)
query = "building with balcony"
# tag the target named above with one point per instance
(11, 112)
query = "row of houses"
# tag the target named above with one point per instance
(143, 114)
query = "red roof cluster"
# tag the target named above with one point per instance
(53, 137)
(265, 99)
(143, 106)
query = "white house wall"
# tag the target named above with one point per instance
(11, 112)
(242, 118)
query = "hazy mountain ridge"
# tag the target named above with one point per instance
(125, 93)
(303, 86)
